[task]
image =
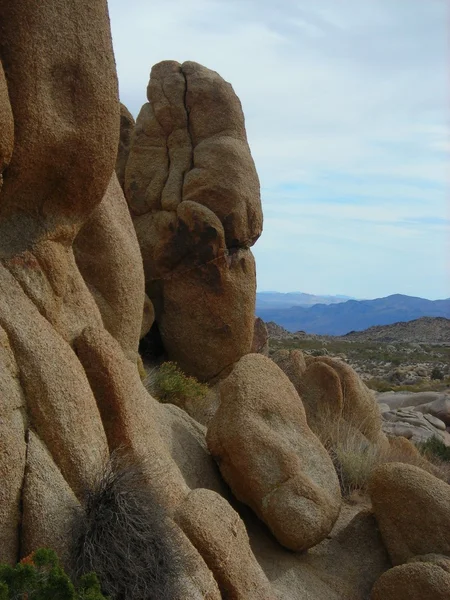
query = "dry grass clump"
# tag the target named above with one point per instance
(124, 537)
(169, 384)
(355, 458)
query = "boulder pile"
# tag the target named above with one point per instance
(113, 231)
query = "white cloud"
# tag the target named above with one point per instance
(344, 100)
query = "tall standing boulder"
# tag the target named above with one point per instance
(270, 458)
(193, 191)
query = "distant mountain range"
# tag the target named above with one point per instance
(341, 317)
(289, 299)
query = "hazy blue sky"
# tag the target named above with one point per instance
(347, 113)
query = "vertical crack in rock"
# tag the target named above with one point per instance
(21, 501)
(188, 128)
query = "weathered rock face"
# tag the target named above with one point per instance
(127, 125)
(47, 499)
(108, 257)
(269, 456)
(412, 508)
(65, 124)
(225, 549)
(6, 126)
(65, 110)
(193, 191)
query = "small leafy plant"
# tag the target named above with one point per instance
(169, 384)
(435, 448)
(39, 576)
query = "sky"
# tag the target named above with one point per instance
(347, 110)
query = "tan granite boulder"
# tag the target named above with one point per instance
(49, 506)
(59, 402)
(193, 191)
(269, 456)
(337, 402)
(127, 124)
(292, 363)
(63, 92)
(129, 424)
(108, 257)
(412, 508)
(13, 447)
(225, 547)
(413, 581)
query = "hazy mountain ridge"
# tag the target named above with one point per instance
(271, 300)
(354, 315)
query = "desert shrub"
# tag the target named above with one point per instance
(379, 385)
(354, 459)
(436, 373)
(124, 537)
(169, 384)
(40, 577)
(435, 447)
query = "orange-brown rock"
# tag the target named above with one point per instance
(193, 191)
(270, 458)
(63, 92)
(127, 125)
(412, 508)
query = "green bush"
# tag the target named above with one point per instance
(169, 384)
(436, 373)
(435, 447)
(40, 577)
